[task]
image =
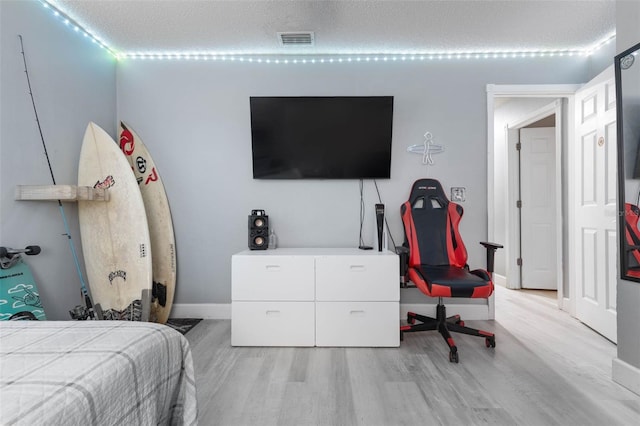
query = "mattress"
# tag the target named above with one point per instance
(95, 373)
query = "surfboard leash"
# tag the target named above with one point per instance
(83, 286)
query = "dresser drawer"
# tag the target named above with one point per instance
(272, 324)
(374, 324)
(358, 278)
(272, 278)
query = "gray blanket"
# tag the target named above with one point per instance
(95, 373)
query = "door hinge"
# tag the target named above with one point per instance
(519, 146)
(519, 261)
(519, 204)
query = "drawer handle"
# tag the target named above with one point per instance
(357, 313)
(273, 313)
(357, 268)
(273, 267)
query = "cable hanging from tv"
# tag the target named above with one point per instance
(427, 149)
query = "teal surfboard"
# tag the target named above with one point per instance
(18, 292)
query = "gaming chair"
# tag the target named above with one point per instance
(632, 235)
(438, 261)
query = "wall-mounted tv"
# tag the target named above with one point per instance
(342, 137)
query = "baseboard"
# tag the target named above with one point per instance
(467, 312)
(626, 374)
(201, 310)
(500, 280)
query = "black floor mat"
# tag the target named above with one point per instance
(183, 325)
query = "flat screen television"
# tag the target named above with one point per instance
(342, 137)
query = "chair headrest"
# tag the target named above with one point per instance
(632, 209)
(427, 189)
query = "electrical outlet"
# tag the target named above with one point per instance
(458, 193)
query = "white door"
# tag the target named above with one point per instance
(595, 203)
(538, 211)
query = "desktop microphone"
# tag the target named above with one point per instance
(380, 223)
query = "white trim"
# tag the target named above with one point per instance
(537, 91)
(626, 375)
(532, 90)
(500, 280)
(512, 233)
(201, 310)
(490, 179)
(491, 232)
(559, 212)
(467, 312)
(569, 301)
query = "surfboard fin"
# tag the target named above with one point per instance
(98, 310)
(159, 292)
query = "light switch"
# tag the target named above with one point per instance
(458, 193)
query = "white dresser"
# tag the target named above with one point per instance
(315, 297)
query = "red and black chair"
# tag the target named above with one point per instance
(437, 262)
(632, 235)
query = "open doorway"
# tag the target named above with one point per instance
(533, 142)
(511, 109)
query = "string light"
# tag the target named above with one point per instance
(67, 21)
(326, 58)
(337, 58)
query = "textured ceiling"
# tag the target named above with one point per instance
(344, 26)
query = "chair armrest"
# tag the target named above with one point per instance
(491, 251)
(403, 254)
(402, 250)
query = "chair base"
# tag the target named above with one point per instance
(445, 325)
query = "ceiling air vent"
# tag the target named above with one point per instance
(296, 38)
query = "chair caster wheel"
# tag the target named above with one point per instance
(453, 357)
(490, 342)
(460, 323)
(410, 318)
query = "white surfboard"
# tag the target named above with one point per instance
(159, 219)
(114, 234)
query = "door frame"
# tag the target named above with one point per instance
(514, 276)
(564, 91)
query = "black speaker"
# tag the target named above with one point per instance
(380, 223)
(258, 230)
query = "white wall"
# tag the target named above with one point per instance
(73, 82)
(601, 59)
(194, 117)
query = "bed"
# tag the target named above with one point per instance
(95, 373)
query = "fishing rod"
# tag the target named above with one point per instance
(75, 313)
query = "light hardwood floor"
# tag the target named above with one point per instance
(547, 369)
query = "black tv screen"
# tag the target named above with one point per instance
(344, 137)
